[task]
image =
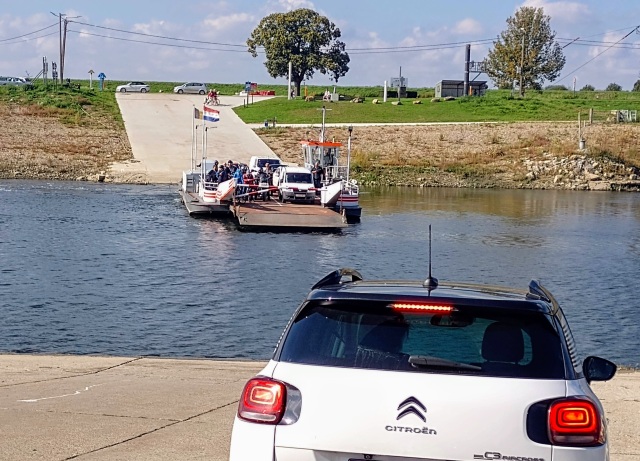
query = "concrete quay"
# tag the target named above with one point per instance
(91, 408)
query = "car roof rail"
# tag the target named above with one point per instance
(537, 291)
(336, 277)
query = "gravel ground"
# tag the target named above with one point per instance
(477, 155)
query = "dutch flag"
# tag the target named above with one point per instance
(210, 115)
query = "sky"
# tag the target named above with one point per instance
(206, 40)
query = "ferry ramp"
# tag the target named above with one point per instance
(160, 126)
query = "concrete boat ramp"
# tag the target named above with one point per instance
(88, 408)
(160, 129)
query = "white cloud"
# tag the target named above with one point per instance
(570, 12)
(468, 26)
(229, 22)
(290, 5)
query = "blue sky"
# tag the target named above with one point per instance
(445, 27)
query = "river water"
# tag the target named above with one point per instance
(123, 270)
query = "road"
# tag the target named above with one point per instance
(160, 128)
(86, 408)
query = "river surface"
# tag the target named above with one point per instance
(123, 270)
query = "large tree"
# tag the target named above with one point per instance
(526, 51)
(302, 36)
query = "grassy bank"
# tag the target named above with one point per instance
(495, 106)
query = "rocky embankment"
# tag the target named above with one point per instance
(39, 143)
(491, 155)
(579, 172)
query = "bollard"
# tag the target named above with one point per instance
(266, 123)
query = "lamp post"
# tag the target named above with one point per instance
(349, 151)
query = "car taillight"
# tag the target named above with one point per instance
(263, 401)
(575, 421)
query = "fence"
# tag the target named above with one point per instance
(608, 116)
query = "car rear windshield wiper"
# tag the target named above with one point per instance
(425, 361)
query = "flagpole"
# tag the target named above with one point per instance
(203, 147)
(193, 138)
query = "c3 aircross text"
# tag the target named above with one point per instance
(412, 370)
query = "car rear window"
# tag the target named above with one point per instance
(299, 178)
(481, 341)
(262, 162)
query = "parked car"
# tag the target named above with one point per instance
(294, 183)
(397, 370)
(255, 163)
(132, 87)
(12, 81)
(191, 87)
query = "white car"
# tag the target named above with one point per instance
(421, 370)
(12, 81)
(133, 87)
(294, 183)
(256, 162)
(191, 88)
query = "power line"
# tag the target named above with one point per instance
(599, 54)
(393, 48)
(30, 33)
(30, 39)
(157, 36)
(155, 43)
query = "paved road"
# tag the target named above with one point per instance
(58, 408)
(160, 127)
(83, 408)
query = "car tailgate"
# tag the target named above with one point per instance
(353, 412)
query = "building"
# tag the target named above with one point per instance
(455, 88)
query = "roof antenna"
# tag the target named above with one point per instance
(431, 283)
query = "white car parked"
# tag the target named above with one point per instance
(412, 370)
(255, 163)
(191, 88)
(12, 81)
(133, 87)
(294, 183)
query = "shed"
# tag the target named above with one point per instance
(455, 88)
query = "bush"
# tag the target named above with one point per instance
(588, 88)
(636, 86)
(613, 87)
(557, 88)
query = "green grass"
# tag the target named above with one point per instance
(495, 106)
(70, 103)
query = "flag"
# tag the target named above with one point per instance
(211, 115)
(197, 114)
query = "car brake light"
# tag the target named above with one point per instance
(575, 421)
(263, 401)
(425, 308)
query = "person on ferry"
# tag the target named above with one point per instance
(249, 180)
(269, 172)
(318, 174)
(212, 175)
(223, 175)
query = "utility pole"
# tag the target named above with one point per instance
(64, 49)
(467, 58)
(62, 39)
(522, 67)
